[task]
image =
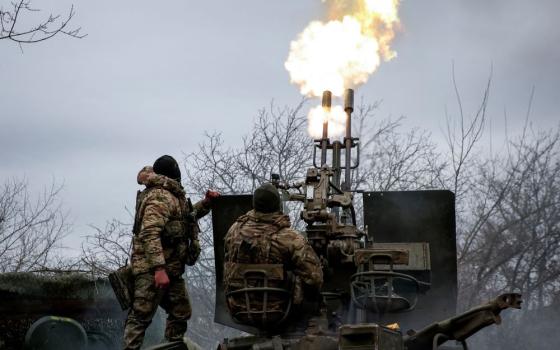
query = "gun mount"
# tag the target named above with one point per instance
(399, 268)
(331, 228)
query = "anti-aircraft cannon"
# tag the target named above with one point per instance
(397, 272)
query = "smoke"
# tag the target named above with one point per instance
(345, 50)
(524, 329)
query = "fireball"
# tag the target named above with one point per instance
(342, 52)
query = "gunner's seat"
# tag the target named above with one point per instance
(258, 295)
(376, 287)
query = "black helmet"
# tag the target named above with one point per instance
(167, 166)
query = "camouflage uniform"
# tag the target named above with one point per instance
(160, 241)
(266, 238)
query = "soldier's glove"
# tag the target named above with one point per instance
(161, 278)
(210, 196)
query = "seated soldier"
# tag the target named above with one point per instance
(264, 254)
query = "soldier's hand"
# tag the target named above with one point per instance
(161, 278)
(210, 196)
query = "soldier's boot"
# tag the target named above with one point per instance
(134, 331)
(175, 331)
(177, 317)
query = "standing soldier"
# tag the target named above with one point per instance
(165, 239)
(262, 239)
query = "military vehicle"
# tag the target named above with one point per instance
(397, 273)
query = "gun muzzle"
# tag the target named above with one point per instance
(326, 103)
(349, 100)
(327, 99)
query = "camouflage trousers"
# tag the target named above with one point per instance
(174, 300)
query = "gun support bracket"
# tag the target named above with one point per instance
(355, 143)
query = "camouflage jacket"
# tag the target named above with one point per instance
(162, 234)
(258, 238)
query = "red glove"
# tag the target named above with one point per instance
(210, 196)
(162, 280)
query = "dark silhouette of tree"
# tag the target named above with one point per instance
(12, 29)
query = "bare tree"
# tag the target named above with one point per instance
(490, 211)
(508, 213)
(30, 229)
(107, 248)
(11, 16)
(277, 143)
(462, 137)
(518, 245)
(393, 159)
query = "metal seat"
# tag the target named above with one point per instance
(265, 293)
(382, 290)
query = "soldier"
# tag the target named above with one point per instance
(263, 236)
(165, 239)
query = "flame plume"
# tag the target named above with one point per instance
(345, 50)
(317, 115)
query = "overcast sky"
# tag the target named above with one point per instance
(151, 77)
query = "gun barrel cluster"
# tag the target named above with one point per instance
(348, 142)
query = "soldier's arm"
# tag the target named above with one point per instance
(306, 262)
(156, 215)
(202, 208)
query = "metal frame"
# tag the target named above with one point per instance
(370, 286)
(355, 142)
(366, 280)
(250, 313)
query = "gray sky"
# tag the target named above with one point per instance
(149, 79)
